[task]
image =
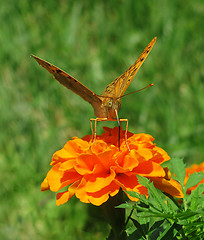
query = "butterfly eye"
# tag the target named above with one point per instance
(110, 104)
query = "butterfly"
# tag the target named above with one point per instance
(107, 104)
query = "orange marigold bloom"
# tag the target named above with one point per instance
(93, 172)
(191, 170)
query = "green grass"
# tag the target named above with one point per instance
(94, 41)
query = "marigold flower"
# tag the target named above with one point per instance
(194, 168)
(93, 172)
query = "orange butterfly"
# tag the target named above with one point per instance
(107, 104)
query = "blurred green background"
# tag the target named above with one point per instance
(94, 41)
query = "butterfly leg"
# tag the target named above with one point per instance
(126, 130)
(119, 130)
(119, 127)
(94, 132)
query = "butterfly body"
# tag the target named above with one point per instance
(107, 104)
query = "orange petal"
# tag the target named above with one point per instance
(169, 186)
(67, 165)
(127, 182)
(99, 197)
(85, 164)
(45, 185)
(58, 179)
(64, 197)
(81, 192)
(106, 157)
(160, 155)
(145, 153)
(76, 146)
(130, 161)
(69, 177)
(54, 176)
(96, 183)
(149, 169)
(64, 154)
(139, 189)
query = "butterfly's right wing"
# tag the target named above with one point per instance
(71, 83)
(118, 87)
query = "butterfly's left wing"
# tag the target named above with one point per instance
(69, 82)
(118, 87)
(74, 85)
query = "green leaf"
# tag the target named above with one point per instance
(172, 205)
(139, 227)
(197, 197)
(156, 229)
(142, 198)
(130, 230)
(177, 168)
(185, 215)
(194, 179)
(156, 225)
(157, 196)
(155, 215)
(170, 232)
(125, 205)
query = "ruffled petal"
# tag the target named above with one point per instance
(96, 183)
(64, 197)
(95, 171)
(54, 178)
(169, 186)
(45, 185)
(99, 197)
(149, 169)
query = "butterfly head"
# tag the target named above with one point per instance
(110, 105)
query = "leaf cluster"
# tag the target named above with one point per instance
(160, 216)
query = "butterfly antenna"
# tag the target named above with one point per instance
(119, 127)
(150, 85)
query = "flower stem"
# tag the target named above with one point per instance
(115, 216)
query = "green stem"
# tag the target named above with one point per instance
(115, 216)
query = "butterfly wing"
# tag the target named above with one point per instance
(118, 87)
(70, 83)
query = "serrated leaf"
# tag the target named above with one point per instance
(143, 180)
(194, 179)
(197, 197)
(156, 194)
(172, 205)
(156, 225)
(125, 205)
(130, 230)
(137, 195)
(177, 168)
(139, 227)
(156, 229)
(185, 215)
(199, 224)
(170, 232)
(135, 235)
(142, 209)
(155, 215)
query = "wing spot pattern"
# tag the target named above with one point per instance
(108, 90)
(58, 71)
